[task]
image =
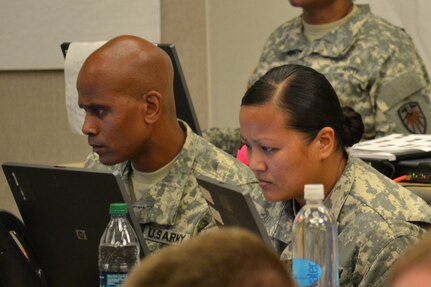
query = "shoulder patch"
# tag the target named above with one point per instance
(413, 118)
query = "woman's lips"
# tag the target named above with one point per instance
(263, 183)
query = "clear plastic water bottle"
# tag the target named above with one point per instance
(315, 242)
(118, 248)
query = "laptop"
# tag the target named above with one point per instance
(183, 101)
(65, 211)
(231, 206)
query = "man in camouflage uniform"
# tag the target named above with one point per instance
(126, 89)
(377, 221)
(373, 66)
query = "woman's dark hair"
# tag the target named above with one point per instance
(309, 101)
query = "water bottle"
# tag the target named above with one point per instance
(315, 242)
(118, 248)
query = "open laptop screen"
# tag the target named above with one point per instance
(231, 206)
(65, 211)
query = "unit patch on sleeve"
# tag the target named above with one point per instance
(413, 118)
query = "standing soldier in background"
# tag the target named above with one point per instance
(373, 66)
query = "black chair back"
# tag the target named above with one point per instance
(18, 263)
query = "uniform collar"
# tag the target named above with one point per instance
(344, 35)
(160, 204)
(334, 202)
(339, 193)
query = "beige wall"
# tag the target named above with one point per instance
(237, 31)
(219, 43)
(33, 119)
(184, 24)
(33, 124)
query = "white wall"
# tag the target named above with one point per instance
(31, 31)
(237, 31)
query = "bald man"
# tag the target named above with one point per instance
(126, 90)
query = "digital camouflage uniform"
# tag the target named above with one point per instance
(174, 209)
(377, 218)
(373, 66)
(227, 139)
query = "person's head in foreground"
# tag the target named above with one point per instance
(296, 131)
(413, 269)
(226, 257)
(126, 90)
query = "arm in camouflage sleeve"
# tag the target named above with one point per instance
(268, 57)
(226, 139)
(381, 265)
(402, 91)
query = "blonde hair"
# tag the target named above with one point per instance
(225, 257)
(418, 254)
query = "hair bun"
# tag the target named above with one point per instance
(353, 127)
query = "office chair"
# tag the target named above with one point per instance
(16, 267)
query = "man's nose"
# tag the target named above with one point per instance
(89, 127)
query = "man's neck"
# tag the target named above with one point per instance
(165, 145)
(334, 12)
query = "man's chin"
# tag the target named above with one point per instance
(106, 160)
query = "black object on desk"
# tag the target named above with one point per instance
(65, 211)
(419, 169)
(16, 267)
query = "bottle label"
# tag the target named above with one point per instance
(306, 272)
(112, 279)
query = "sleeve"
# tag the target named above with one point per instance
(268, 57)
(226, 139)
(91, 160)
(403, 90)
(263, 63)
(380, 267)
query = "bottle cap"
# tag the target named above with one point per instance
(118, 208)
(314, 191)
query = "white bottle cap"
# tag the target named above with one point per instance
(314, 191)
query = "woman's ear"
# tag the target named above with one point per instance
(152, 101)
(326, 142)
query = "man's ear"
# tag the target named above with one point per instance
(326, 142)
(153, 106)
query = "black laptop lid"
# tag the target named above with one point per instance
(231, 206)
(65, 211)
